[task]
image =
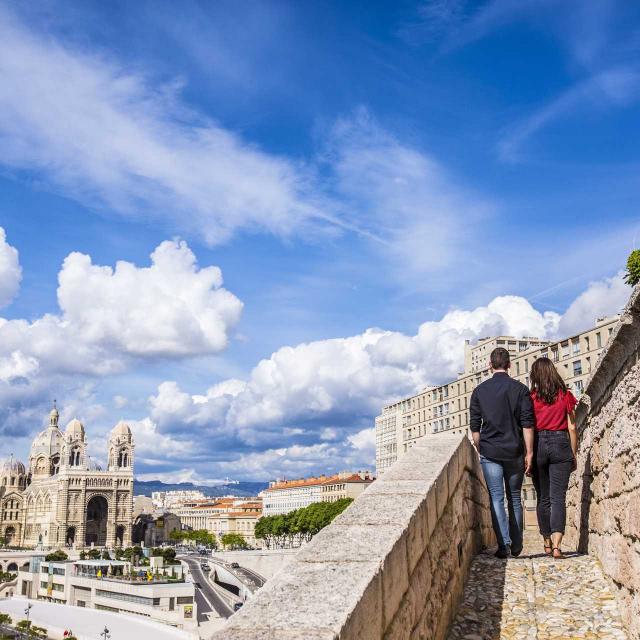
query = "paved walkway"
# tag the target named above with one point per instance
(537, 598)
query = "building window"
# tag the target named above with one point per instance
(578, 386)
(565, 349)
(575, 346)
(598, 340)
(554, 355)
(586, 343)
(577, 368)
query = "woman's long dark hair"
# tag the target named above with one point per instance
(546, 382)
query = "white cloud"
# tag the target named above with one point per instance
(601, 298)
(337, 384)
(412, 210)
(10, 270)
(98, 131)
(110, 319)
(617, 86)
(333, 388)
(171, 308)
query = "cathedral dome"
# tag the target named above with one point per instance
(121, 429)
(75, 430)
(47, 442)
(11, 467)
(121, 433)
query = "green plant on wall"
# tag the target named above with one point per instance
(632, 274)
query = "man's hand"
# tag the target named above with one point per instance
(528, 464)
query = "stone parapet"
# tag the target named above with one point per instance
(393, 565)
(604, 495)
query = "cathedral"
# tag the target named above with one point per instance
(64, 498)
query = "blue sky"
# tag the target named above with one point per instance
(336, 195)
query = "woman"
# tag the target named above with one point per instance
(556, 444)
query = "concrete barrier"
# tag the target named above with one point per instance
(393, 565)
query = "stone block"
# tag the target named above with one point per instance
(395, 580)
(414, 470)
(418, 534)
(381, 509)
(351, 543)
(442, 492)
(312, 597)
(398, 487)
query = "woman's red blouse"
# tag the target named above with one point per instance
(553, 417)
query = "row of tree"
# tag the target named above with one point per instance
(293, 528)
(26, 627)
(201, 537)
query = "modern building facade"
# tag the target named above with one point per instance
(283, 496)
(107, 585)
(62, 497)
(445, 408)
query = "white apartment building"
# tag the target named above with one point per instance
(107, 585)
(169, 499)
(287, 495)
(445, 408)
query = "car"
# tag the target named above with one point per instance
(237, 605)
(205, 566)
(235, 565)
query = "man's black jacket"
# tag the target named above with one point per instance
(500, 408)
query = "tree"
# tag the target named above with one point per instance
(83, 555)
(56, 556)
(299, 525)
(632, 275)
(5, 619)
(106, 555)
(234, 541)
(93, 554)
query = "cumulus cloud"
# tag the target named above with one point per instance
(109, 319)
(322, 396)
(10, 270)
(169, 309)
(601, 298)
(340, 381)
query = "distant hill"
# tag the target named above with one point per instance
(145, 488)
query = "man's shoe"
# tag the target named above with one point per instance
(516, 552)
(503, 552)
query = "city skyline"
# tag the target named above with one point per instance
(245, 268)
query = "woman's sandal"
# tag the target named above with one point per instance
(560, 555)
(548, 549)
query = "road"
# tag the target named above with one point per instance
(255, 579)
(206, 597)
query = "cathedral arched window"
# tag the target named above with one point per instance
(74, 457)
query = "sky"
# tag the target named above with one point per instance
(244, 227)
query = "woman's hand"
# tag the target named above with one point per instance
(574, 465)
(528, 464)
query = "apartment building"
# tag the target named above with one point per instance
(286, 495)
(116, 586)
(345, 485)
(241, 519)
(445, 408)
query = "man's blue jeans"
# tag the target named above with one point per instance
(501, 476)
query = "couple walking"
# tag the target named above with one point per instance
(518, 431)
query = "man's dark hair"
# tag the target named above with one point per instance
(500, 358)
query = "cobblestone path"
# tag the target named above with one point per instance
(536, 597)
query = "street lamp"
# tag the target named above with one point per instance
(105, 634)
(26, 613)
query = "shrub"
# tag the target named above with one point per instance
(632, 275)
(56, 556)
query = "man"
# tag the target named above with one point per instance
(502, 422)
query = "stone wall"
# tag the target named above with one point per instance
(604, 494)
(392, 565)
